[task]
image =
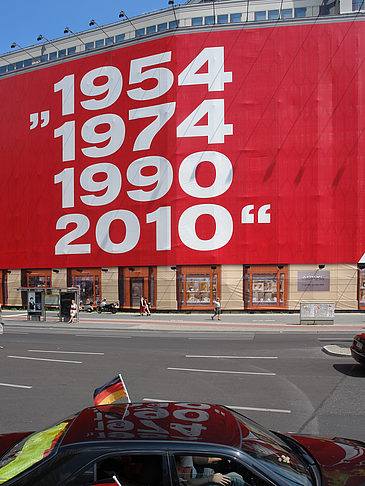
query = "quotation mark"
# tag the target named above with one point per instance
(34, 119)
(263, 215)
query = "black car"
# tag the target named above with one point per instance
(358, 348)
(174, 444)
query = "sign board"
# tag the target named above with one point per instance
(311, 312)
(317, 281)
(177, 150)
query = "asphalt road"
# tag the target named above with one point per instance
(283, 381)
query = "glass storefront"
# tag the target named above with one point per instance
(134, 283)
(362, 288)
(88, 281)
(265, 287)
(197, 289)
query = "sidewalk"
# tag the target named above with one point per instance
(352, 322)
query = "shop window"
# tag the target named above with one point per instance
(261, 15)
(109, 41)
(19, 64)
(62, 53)
(161, 27)
(88, 281)
(2, 69)
(173, 24)
(265, 287)
(52, 55)
(89, 46)
(119, 38)
(27, 62)
(99, 43)
(134, 283)
(11, 67)
(362, 288)
(71, 51)
(44, 58)
(4, 286)
(198, 286)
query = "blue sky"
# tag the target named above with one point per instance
(21, 21)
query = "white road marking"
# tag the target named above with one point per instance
(15, 315)
(230, 357)
(103, 336)
(222, 371)
(61, 352)
(252, 409)
(44, 359)
(14, 386)
(263, 320)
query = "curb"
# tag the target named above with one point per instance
(335, 350)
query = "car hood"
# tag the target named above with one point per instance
(7, 441)
(342, 461)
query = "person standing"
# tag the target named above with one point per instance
(73, 312)
(217, 309)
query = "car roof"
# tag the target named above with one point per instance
(167, 421)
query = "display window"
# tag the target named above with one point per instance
(198, 286)
(4, 287)
(134, 283)
(37, 278)
(266, 287)
(362, 288)
(88, 281)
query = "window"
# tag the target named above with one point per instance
(62, 53)
(109, 41)
(162, 27)
(119, 38)
(236, 17)
(222, 19)
(273, 14)
(197, 21)
(173, 24)
(260, 15)
(287, 13)
(44, 58)
(127, 468)
(2, 69)
(71, 50)
(99, 43)
(27, 62)
(198, 286)
(362, 288)
(151, 29)
(134, 283)
(357, 5)
(140, 32)
(209, 20)
(52, 55)
(300, 12)
(265, 286)
(19, 64)
(88, 281)
(89, 46)
(11, 67)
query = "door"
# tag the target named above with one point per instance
(136, 290)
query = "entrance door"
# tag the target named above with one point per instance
(136, 290)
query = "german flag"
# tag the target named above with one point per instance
(110, 392)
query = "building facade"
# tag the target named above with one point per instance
(212, 149)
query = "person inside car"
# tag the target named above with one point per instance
(189, 475)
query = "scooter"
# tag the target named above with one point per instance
(104, 307)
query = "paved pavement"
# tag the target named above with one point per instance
(346, 322)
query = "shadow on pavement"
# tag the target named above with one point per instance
(353, 369)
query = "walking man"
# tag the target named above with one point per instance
(217, 309)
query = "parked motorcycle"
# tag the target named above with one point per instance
(104, 307)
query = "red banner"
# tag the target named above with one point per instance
(240, 146)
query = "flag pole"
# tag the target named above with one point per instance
(116, 480)
(125, 388)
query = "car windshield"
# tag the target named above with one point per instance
(31, 450)
(272, 452)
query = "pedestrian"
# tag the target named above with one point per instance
(147, 306)
(217, 309)
(73, 312)
(142, 308)
(1, 324)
